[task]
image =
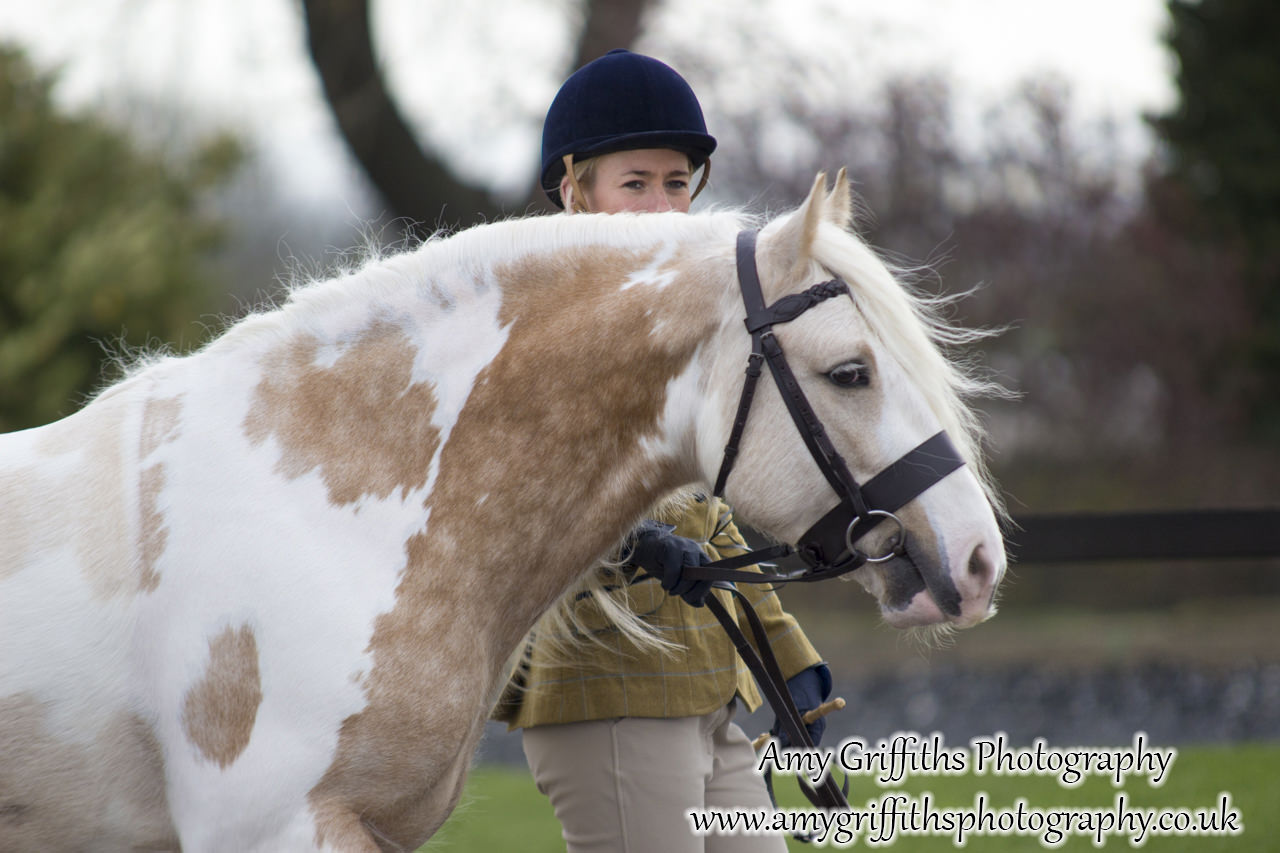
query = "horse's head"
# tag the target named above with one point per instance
(870, 367)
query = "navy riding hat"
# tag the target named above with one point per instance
(619, 102)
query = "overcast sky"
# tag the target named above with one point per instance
(243, 62)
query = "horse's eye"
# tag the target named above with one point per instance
(853, 374)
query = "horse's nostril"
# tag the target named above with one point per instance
(983, 578)
(979, 566)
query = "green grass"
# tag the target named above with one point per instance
(502, 810)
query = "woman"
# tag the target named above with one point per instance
(625, 740)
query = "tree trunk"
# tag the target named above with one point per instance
(417, 185)
(608, 24)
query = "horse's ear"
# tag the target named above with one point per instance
(840, 202)
(815, 210)
(791, 246)
(796, 238)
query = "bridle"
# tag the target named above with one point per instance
(828, 548)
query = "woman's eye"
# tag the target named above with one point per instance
(852, 374)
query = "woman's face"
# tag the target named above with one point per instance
(646, 180)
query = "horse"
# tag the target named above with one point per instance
(260, 597)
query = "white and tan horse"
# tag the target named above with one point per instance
(260, 597)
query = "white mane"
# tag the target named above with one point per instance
(911, 325)
(455, 267)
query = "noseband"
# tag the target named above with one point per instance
(829, 547)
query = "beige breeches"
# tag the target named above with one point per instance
(626, 785)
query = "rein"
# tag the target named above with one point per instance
(828, 548)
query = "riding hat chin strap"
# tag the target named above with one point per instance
(828, 547)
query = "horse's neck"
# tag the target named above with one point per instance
(534, 418)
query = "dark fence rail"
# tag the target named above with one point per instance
(1181, 534)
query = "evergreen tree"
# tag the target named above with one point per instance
(1222, 142)
(101, 243)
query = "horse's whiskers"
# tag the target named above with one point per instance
(929, 637)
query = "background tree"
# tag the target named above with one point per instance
(100, 242)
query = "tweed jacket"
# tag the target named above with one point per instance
(613, 678)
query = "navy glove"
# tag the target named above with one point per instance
(809, 688)
(657, 550)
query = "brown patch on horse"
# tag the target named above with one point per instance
(322, 415)
(550, 437)
(219, 711)
(96, 497)
(16, 518)
(161, 419)
(153, 533)
(101, 790)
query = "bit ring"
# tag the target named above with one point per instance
(897, 543)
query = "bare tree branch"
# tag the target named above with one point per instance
(416, 185)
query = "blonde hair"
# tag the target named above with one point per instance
(581, 175)
(561, 629)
